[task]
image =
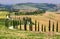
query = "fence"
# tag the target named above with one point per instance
(32, 26)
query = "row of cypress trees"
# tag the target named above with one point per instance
(53, 26)
(15, 23)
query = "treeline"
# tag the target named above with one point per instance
(30, 13)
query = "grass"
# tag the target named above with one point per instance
(21, 34)
(4, 13)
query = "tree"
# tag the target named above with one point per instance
(42, 28)
(49, 25)
(7, 23)
(20, 24)
(53, 27)
(30, 25)
(25, 23)
(14, 23)
(35, 25)
(38, 26)
(57, 27)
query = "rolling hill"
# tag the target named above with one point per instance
(43, 6)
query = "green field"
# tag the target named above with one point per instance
(4, 13)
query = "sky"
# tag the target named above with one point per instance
(25, 1)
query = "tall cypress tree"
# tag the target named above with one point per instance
(38, 26)
(53, 27)
(45, 28)
(7, 23)
(35, 25)
(11, 23)
(30, 25)
(49, 24)
(42, 28)
(20, 24)
(17, 24)
(57, 27)
(14, 23)
(25, 23)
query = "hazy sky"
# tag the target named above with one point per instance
(24, 1)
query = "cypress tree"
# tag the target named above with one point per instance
(53, 27)
(17, 22)
(14, 23)
(30, 25)
(35, 25)
(25, 23)
(49, 25)
(11, 22)
(57, 27)
(42, 28)
(38, 26)
(20, 24)
(7, 23)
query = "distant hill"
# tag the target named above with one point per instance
(24, 7)
(58, 6)
(43, 6)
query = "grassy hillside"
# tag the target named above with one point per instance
(3, 14)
